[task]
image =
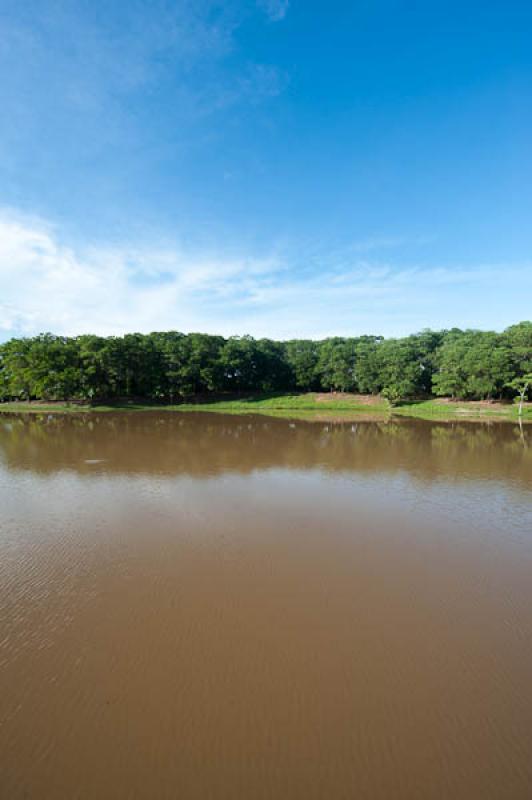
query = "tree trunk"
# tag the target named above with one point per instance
(521, 401)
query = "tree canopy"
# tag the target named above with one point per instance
(169, 366)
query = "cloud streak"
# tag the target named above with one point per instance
(96, 78)
(48, 284)
(275, 9)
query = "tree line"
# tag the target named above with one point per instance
(171, 366)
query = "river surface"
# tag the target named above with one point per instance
(208, 606)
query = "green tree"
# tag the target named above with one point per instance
(95, 381)
(521, 386)
(302, 359)
(272, 371)
(199, 367)
(167, 365)
(366, 364)
(400, 371)
(473, 365)
(239, 363)
(336, 364)
(518, 339)
(169, 347)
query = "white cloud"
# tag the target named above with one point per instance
(85, 74)
(275, 9)
(47, 284)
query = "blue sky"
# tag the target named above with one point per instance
(274, 167)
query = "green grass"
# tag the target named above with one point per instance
(304, 402)
(304, 406)
(432, 409)
(41, 408)
(287, 402)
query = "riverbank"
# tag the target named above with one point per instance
(307, 405)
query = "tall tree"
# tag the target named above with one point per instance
(302, 358)
(473, 364)
(399, 368)
(336, 364)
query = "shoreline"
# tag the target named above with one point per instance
(306, 406)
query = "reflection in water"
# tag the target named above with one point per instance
(204, 606)
(209, 444)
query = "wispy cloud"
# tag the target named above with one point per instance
(47, 283)
(96, 70)
(275, 9)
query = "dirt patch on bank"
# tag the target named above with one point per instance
(347, 397)
(489, 405)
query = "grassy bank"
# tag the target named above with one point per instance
(444, 410)
(310, 401)
(303, 405)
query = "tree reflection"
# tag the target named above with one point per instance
(204, 444)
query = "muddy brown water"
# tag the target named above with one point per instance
(203, 606)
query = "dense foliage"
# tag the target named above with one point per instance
(169, 366)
